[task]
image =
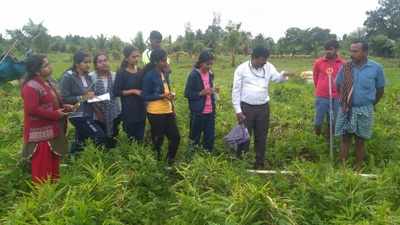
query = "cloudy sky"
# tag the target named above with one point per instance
(125, 18)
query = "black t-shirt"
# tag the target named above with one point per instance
(133, 106)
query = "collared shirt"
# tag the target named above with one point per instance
(366, 79)
(250, 85)
(146, 57)
(321, 68)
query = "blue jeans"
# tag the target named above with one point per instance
(322, 110)
(202, 124)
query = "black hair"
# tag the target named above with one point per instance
(155, 35)
(33, 65)
(260, 52)
(204, 57)
(97, 55)
(331, 44)
(364, 44)
(78, 58)
(156, 56)
(126, 52)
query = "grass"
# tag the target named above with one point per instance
(127, 186)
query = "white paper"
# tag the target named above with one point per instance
(100, 98)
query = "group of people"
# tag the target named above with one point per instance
(137, 94)
(351, 91)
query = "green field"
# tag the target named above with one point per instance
(128, 186)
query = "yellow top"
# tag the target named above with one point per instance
(161, 106)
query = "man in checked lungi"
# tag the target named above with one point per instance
(361, 85)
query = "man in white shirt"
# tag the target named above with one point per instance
(250, 99)
(155, 43)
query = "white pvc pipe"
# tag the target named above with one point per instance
(293, 173)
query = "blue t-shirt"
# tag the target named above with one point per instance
(366, 79)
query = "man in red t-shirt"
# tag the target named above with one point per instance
(327, 65)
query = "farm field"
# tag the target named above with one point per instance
(128, 186)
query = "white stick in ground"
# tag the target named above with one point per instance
(329, 71)
(288, 172)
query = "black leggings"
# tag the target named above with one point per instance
(164, 124)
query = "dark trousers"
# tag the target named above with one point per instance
(135, 130)
(164, 125)
(202, 124)
(257, 122)
(110, 142)
(86, 128)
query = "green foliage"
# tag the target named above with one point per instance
(384, 20)
(127, 185)
(381, 45)
(138, 42)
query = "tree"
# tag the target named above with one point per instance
(199, 35)
(384, 20)
(397, 49)
(3, 44)
(89, 43)
(245, 42)
(31, 36)
(259, 40)
(232, 39)
(189, 39)
(101, 41)
(57, 44)
(19, 36)
(308, 41)
(138, 42)
(198, 47)
(294, 40)
(214, 33)
(381, 45)
(359, 34)
(316, 38)
(166, 44)
(115, 44)
(177, 48)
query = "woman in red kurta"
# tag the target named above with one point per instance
(44, 121)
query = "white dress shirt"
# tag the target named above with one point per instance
(250, 85)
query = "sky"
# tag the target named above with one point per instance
(125, 18)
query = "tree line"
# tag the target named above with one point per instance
(381, 29)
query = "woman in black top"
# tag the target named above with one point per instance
(128, 85)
